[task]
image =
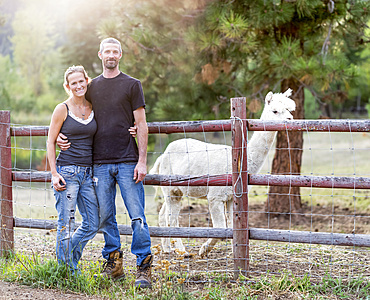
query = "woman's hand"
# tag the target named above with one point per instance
(133, 130)
(59, 183)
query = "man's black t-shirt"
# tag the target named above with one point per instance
(113, 101)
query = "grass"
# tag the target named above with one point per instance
(34, 271)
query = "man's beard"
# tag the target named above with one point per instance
(110, 64)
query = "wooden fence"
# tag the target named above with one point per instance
(241, 233)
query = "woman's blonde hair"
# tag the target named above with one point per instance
(71, 70)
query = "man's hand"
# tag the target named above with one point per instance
(139, 172)
(62, 142)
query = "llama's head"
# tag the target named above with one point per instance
(278, 106)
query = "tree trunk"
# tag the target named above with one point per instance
(288, 159)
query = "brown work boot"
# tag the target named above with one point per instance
(144, 273)
(112, 267)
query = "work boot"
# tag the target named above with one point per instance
(144, 273)
(112, 267)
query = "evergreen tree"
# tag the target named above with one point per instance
(275, 45)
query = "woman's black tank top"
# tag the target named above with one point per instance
(81, 136)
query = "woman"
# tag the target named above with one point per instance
(72, 170)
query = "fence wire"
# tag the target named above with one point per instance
(326, 210)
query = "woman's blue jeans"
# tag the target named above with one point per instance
(79, 191)
(106, 176)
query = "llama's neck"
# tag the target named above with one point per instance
(258, 149)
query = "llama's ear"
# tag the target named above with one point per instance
(268, 98)
(288, 93)
(291, 106)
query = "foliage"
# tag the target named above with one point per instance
(273, 45)
(155, 51)
(17, 95)
(32, 83)
(362, 93)
(33, 41)
(311, 106)
(81, 44)
(268, 41)
(5, 98)
(193, 56)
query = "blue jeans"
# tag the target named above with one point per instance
(106, 176)
(79, 190)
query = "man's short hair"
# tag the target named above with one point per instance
(110, 40)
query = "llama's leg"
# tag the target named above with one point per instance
(163, 222)
(217, 211)
(162, 216)
(229, 211)
(173, 208)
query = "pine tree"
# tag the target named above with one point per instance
(273, 45)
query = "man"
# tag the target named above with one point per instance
(118, 102)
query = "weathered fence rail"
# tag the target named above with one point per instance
(323, 238)
(225, 125)
(240, 233)
(226, 180)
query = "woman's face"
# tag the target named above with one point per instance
(77, 84)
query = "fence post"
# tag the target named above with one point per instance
(6, 212)
(240, 187)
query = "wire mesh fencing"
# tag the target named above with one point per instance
(329, 235)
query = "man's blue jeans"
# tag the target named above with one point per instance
(106, 176)
(79, 191)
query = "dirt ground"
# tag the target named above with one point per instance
(13, 291)
(299, 259)
(318, 219)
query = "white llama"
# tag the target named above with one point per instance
(191, 157)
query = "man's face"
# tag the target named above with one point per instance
(110, 56)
